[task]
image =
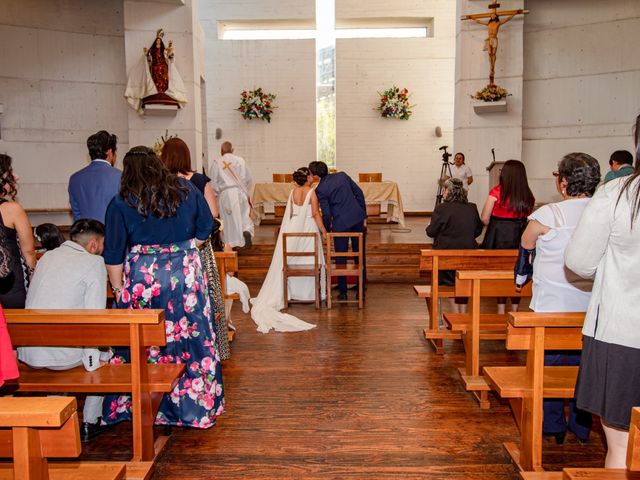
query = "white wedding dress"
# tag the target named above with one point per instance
(265, 310)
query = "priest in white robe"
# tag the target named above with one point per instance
(231, 180)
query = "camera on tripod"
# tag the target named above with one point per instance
(445, 155)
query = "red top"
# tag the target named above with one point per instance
(502, 210)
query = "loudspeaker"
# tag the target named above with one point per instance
(438, 132)
(218, 133)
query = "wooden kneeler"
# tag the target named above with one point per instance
(34, 429)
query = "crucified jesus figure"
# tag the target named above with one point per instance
(493, 23)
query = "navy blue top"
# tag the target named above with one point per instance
(92, 188)
(200, 180)
(341, 201)
(125, 227)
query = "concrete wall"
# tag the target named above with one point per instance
(282, 67)
(62, 79)
(581, 78)
(404, 151)
(475, 134)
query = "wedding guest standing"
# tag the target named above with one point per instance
(153, 227)
(621, 164)
(18, 236)
(556, 288)
(176, 156)
(505, 212)
(605, 247)
(92, 188)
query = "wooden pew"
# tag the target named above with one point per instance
(227, 263)
(34, 429)
(435, 260)
(147, 383)
(527, 386)
(632, 472)
(475, 326)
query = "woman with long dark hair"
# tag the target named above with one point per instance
(18, 237)
(176, 156)
(153, 227)
(505, 212)
(605, 247)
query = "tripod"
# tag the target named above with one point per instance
(445, 171)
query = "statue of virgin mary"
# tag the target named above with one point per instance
(155, 78)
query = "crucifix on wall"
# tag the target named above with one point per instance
(493, 23)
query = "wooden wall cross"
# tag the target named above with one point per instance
(493, 24)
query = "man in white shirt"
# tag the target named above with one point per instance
(72, 276)
(460, 170)
(231, 180)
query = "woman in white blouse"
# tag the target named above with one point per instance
(555, 288)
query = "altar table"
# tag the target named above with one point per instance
(373, 192)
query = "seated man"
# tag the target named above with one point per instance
(71, 276)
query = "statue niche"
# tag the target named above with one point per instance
(155, 80)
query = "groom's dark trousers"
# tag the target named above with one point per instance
(343, 210)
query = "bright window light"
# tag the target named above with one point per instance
(381, 32)
(292, 34)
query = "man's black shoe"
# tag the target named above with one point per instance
(247, 239)
(559, 436)
(89, 431)
(342, 296)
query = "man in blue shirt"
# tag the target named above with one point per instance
(92, 188)
(621, 163)
(343, 210)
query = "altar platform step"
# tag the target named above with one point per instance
(386, 262)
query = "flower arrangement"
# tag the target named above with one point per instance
(256, 104)
(491, 93)
(394, 103)
(157, 147)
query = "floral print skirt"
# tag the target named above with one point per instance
(172, 277)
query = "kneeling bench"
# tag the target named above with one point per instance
(34, 429)
(147, 383)
(526, 387)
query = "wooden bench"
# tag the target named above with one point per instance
(632, 472)
(35, 429)
(227, 263)
(475, 326)
(147, 383)
(526, 386)
(433, 261)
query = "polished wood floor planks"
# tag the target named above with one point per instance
(361, 396)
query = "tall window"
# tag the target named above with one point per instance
(326, 82)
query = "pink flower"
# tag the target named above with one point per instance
(207, 402)
(137, 290)
(197, 384)
(148, 278)
(126, 296)
(155, 290)
(206, 363)
(185, 356)
(190, 301)
(194, 366)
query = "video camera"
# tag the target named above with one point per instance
(445, 154)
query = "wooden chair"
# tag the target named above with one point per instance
(527, 386)
(279, 207)
(355, 269)
(435, 260)
(227, 262)
(632, 472)
(147, 383)
(475, 326)
(299, 269)
(373, 208)
(37, 428)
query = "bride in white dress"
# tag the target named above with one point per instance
(301, 215)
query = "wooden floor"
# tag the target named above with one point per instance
(362, 396)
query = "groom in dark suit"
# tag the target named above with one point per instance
(343, 210)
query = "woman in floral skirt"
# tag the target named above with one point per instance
(153, 227)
